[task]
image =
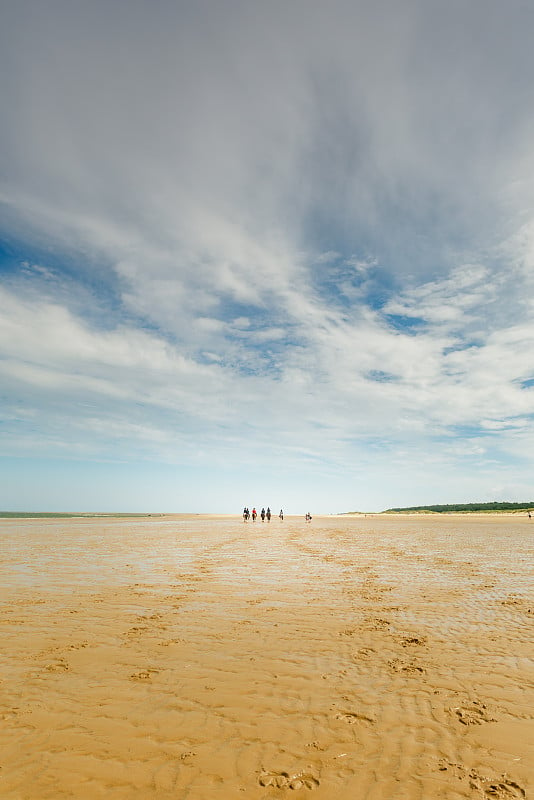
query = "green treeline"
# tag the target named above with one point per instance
(442, 509)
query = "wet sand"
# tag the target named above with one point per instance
(389, 658)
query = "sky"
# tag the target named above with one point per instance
(275, 253)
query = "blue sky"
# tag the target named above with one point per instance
(275, 253)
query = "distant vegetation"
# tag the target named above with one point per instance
(443, 509)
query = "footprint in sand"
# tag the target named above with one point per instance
(351, 717)
(284, 780)
(371, 597)
(517, 603)
(512, 600)
(58, 666)
(474, 713)
(136, 631)
(502, 788)
(413, 641)
(405, 667)
(377, 624)
(363, 653)
(168, 642)
(143, 675)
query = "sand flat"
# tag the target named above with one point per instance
(382, 657)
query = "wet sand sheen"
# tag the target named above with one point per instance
(198, 657)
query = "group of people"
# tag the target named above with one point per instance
(264, 514)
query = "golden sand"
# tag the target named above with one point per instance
(388, 658)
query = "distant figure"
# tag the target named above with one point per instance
(268, 514)
(308, 517)
(529, 515)
(263, 515)
(281, 515)
(246, 514)
(254, 515)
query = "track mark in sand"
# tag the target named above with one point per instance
(352, 717)
(136, 631)
(168, 642)
(58, 666)
(513, 600)
(474, 713)
(518, 603)
(363, 652)
(285, 780)
(144, 675)
(77, 645)
(406, 667)
(15, 712)
(413, 641)
(501, 788)
(377, 624)
(51, 651)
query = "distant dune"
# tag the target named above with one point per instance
(463, 508)
(453, 508)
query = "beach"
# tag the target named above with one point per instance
(385, 657)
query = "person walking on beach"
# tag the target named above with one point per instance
(254, 515)
(268, 514)
(281, 515)
(263, 515)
